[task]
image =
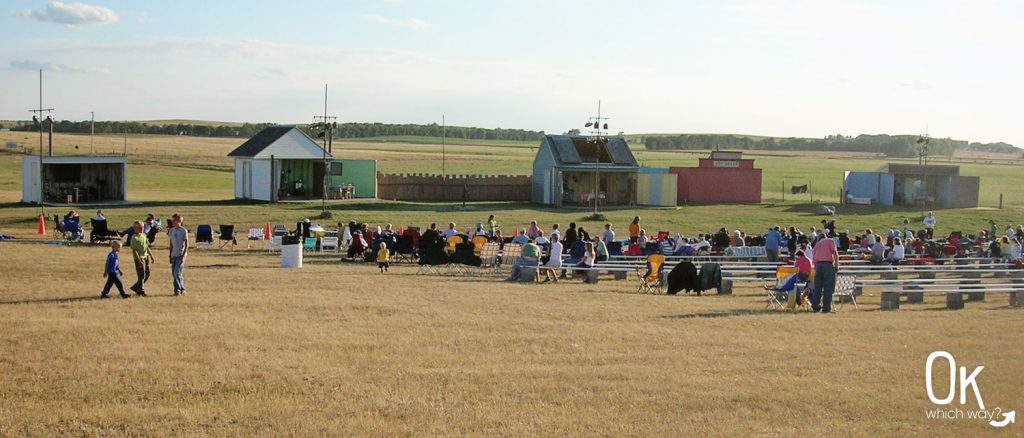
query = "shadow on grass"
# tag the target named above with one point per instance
(914, 213)
(55, 300)
(724, 314)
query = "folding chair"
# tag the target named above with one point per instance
(650, 279)
(100, 232)
(204, 235)
(464, 259)
(275, 243)
(845, 287)
(255, 234)
(279, 230)
(227, 236)
(785, 284)
(452, 242)
(509, 257)
(309, 244)
(405, 250)
(58, 228)
(478, 243)
(329, 242)
(489, 256)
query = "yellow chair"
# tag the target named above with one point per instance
(478, 243)
(452, 241)
(650, 281)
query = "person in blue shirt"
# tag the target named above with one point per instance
(772, 242)
(112, 271)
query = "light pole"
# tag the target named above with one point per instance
(92, 133)
(596, 123)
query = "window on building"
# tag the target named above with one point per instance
(336, 168)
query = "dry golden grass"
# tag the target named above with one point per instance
(339, 349)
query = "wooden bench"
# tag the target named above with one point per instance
(890, 299)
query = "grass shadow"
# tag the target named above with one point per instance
(724, 314)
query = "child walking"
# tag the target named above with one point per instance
(112, 271)
(383, 255)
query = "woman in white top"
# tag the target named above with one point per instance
(588, 260)
(1015, 248)
(929, 225)
(899, 252)
(554, 260)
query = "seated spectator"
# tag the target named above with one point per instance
(521, 239)
(582, 234)
(899, 252)
(803, 266)
(357, 247)
(602, 249)
(450, 231)
(529, 258)
(877, 252)
(642, 238)
(737, 239)
(72, 224)
(554, 262)
(588, 260)
(100, 216)
(533, 232)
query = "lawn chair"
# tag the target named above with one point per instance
(846, 286)
(204, 236)
(227, 236)
(58, 228)
(329, 242)
(309, 244)
(452, 242)
(787, 288)
(509, 257)
(255, 235)
(100, 232)
(464, 259)
(405, 250)
(489, 257)
(478, 243)
(650, 277)
(275, 243)
(431, 260)
(279, 230)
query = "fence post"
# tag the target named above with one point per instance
(783, 190)
(1000, 201)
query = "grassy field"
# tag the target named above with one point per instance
(339, 349)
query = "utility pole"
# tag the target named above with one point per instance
(37, 117)
(597, 131)
(92, 133)
(444, 173)
(328, 124)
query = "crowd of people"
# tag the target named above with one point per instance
(556, 251)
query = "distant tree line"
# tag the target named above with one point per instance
(890, 145)
(109, 127)
(344, 130)
(367, 130)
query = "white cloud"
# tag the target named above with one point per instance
(72, 14)
(45, 66)
(410, 23)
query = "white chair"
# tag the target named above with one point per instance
(846, 286)
(329, 242)
(275, 244)
(255, 234)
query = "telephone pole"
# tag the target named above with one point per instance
(328, 124)
(596, 124)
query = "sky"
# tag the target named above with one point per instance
(801, 68)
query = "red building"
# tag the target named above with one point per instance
(722, 179)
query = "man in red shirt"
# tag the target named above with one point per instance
(826, 264)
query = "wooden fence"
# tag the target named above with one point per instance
(453, 188)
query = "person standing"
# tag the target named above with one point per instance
(112, 270)
(609, 235)
(177, 236)
(143, 259)
(826, 264)
(929, 226)
(772, 242)
(634, 230)
(492, 226)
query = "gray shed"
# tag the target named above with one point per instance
(566, 168)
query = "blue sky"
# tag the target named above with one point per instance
(769, 67)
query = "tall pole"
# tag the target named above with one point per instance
(444, 172)
(92, 133)
(597, 167)
(125, 138)
(327, 123)
(40, 117)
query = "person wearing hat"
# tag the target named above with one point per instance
(929, 225)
